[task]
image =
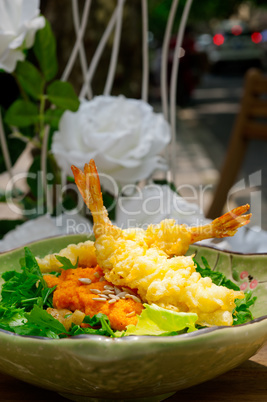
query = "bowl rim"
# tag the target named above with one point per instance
(90, 237)
(129, 338)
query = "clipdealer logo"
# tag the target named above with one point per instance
(132, 201)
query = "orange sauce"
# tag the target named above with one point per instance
(72, 294)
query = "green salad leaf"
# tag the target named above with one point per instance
(11, 317)
(66, 263)
(27, 288)
(41, 323)
(241, 313)
(155, 320)
(99, 325)
(26, 296)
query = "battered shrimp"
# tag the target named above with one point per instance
(175, 239)
(140, 259)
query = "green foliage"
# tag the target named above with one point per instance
(201, 11)
(99, 325)
(69, 202)
(27, 288)
(8, 195)
(110, 204)
(43, 322)
(32, 208)
(30, 79)
(37, 322)
(241, 313)
(45, 51)
(52, 117)
(22, 113)
(218, 9)
(15, 147)
(34, 177)
(25, 297)
(63, 95)
(66, 263)
(8, 224)
(42, 101)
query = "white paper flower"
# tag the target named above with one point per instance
(124, 137)
(19, 21)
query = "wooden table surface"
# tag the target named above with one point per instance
(246, 383)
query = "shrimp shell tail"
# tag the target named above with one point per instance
(224, 226)
(88, 184)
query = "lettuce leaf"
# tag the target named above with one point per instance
(158, 321)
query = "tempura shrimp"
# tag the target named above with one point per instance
(140, 259)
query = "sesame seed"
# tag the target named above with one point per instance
(86, 281)
(95, 291)
(103, 295)
(102, 279)
(96, 274)
(135, 298)
(99, 299)
(108, 287)
(107, 292)
(111, 301)
(131, 314)
(113, 297)
(128, 291)
(121, 294)
(117, 290)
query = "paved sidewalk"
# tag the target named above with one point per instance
(196, 174)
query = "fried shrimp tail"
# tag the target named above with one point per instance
(175, 239)
(224, 226)
(88, 184)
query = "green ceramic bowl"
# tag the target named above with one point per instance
(143, 368)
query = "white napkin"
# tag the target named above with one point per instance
(43, 227)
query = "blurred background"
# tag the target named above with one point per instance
(223, 39)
